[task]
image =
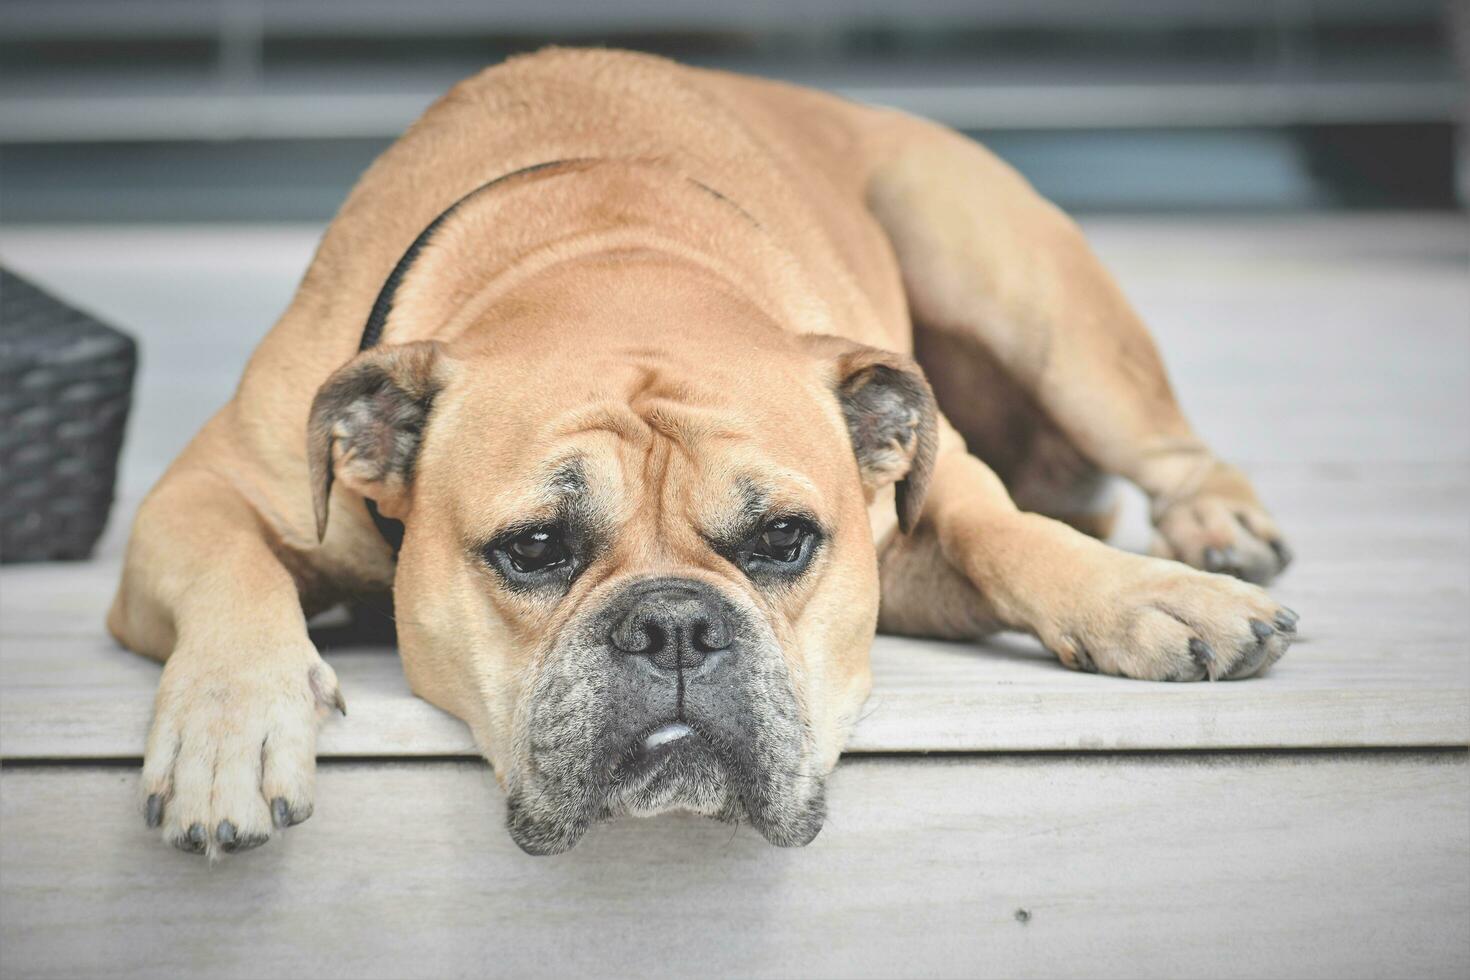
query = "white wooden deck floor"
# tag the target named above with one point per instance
(1330, 357)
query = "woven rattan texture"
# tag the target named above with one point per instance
(65, 387)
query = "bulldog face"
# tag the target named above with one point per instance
(638, 562)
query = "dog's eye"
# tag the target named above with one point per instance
(536, 550)
(783, 540)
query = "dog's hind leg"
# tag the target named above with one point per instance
(923, 594)
(1003, 425)
(985, 259)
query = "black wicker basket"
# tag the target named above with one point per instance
(66, 382)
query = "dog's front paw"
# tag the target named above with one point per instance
(232, 752)
(1163, 622)
(1221, 527)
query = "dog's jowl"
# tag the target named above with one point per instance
(651, 393)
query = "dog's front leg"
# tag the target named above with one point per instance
(232, 751)
(1095, 607)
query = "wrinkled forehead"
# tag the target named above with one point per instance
(611, 445)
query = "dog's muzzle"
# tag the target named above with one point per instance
(670, 696)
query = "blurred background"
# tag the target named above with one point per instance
(1246, 167)
(231, 110)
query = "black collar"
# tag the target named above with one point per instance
(372, 332)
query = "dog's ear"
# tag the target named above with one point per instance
(366, 425)
(890, 415)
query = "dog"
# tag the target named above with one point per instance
(650, 393)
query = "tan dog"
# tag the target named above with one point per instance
(638, 389)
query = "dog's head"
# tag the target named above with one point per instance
(637, 561)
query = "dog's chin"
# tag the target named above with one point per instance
(671, 768)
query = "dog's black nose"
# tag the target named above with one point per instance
(675, 626)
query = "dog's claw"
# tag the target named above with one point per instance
(1257, 653)
(1283, 554)
(1085, 661)
(1203, 654)
(154, 812)
(194, 841)
(1286, 620)
(340, 704)
(1082, 658)
(1224, 561)
(230, 841)
(283, 815)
